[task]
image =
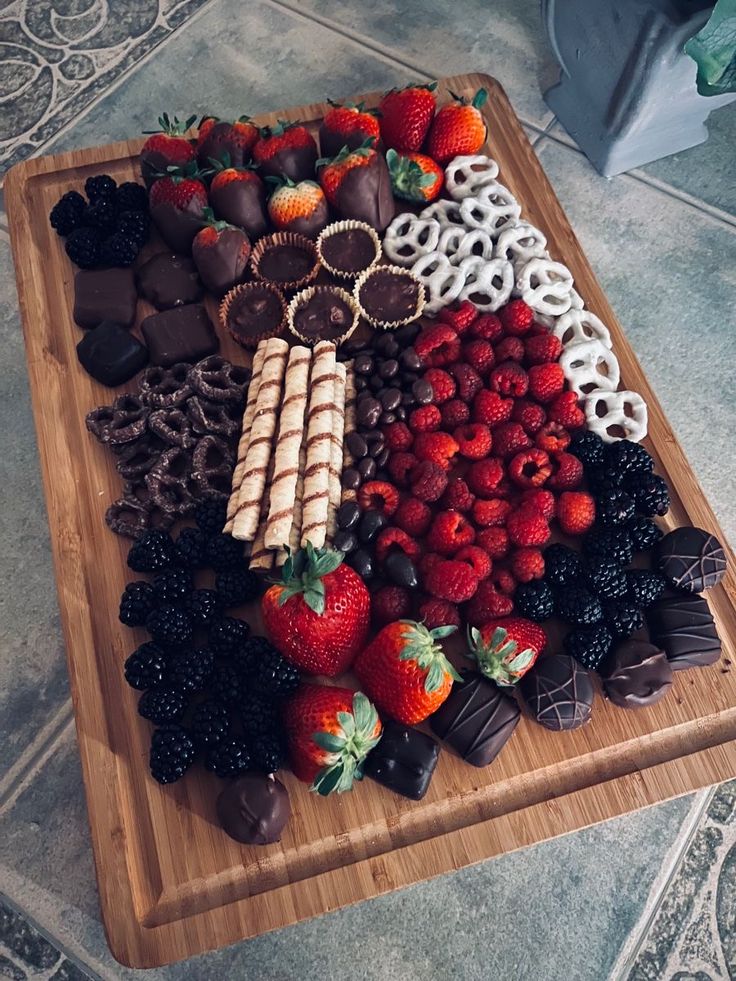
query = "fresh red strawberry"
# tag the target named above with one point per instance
(527, 564)
(300, 208)
(542, 348)
(530, 468)
(347, 125)
(505, 649)
(405, 116)
(460, 316)
(439, 448)
(451, 580)
(329, 731)
(395, 540)
(527, 526)
(546, 381)
(443, 385)
(286, 150)
(414, 176)
(543, 500)
(495, 541)
(398, 436)
(474, 440)
(221, 253)
(566, 410)
(486, 327)
(405, 671)
(469, 382)
(575, 512)
(509, 378)
(450, 531)
(457, 497)
(428, 481)
(517, 318)
(458, 129)
(239, 196)
(399, 466)
(435, 612)
(230, 143)
(508, 439)
(390, 603)
(454, 413)
(567, 472)
(166, 148)
(479, 355)
(492, 513)
(491, 408)
(484, 476)
(509, 349)
(488, 603)
(318, 617)
(425, 419)
(530, 416)
(477, 558)
(413, 516)
(379, 495)
(437, 345)
(553, 438)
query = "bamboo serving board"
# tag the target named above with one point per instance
(171, 883)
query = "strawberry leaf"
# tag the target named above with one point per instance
(329, 742)
(328, 779)
(347, 724)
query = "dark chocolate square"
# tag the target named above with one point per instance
(684, 628)
(476, 720)
(111, 354)
(104, 294)
(404, 760)
(182, 334)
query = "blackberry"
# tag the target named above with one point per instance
(257, 713)
(67, 213)
(267, 753)
(153, 552)
(562, 565)
(224, 552)
(210, 724)
(101, 186)
(162, 706)
(169, 626)
(211, 514)
(645, 586)
(136, 603)
(134, 225)
(203, 606)
(534, 600)
(173, 587)
(250, 652)
(624, 457)
(120, 249)
(172, 753)
(227, 635)
(606, 578)
(131, 197)
(227, 685)
(229, 758)
(84, 247)
(600, 480)
(275, 675)
(588, 645)
(644, 534)
(147, 667)
(608, 543)
(578, 605)
(614, 508)
(102, 214)
(190, 548)
(649, 492)
(237, 586)
(589, 448)
(190, 671)
(622, 617)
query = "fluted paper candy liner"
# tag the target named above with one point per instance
(316, 496)
(284, 238)
(336, 450)
(389, 324)
(251, 341)
(346, 226)
(250, 408)
(304, 296)
(351, 422)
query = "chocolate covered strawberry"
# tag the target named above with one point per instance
(414, 176)
(166, 148)
(406, 115)
(231, 143)
(505, 649)
(329, 731)
(348, 125)
(177, 204)
(220, 252)
(298, 207)
(238, 196)
(286, 150)
(458, 129)
(357, 184)
(318, 616)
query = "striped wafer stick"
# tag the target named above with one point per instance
(296, 525)
(245, 524)
(350, 426)
(261, 557)
(250, 408)
(336, 451)
(319, 427)
(288, 443)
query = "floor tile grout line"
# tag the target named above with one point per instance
(34, 756)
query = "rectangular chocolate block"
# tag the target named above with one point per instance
(182, 334)
(684, 628)
(111, 354)
(476, 720)
(404, 760)
(104, 294)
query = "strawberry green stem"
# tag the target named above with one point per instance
(348, 747)
(421, 645)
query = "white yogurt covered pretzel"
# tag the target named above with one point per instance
(488, 282)
(442, 281)
(464, 176)
(519, 243)
(590, 365)
(492, 209)
(545, 286)
(447, 213)
(616, 415)
(408, 237)
(450, 240)
(577, 326)
(477, 243)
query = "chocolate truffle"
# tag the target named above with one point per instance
(242, 203)
(636, 674)
(111, 354)
(348, 251)
(253, 312)
(685, 629)
(222, 263)
(476, 720)
(254, 809)
(558, 692)
(404, 760)
(168, 280)
(690, 559)
(177, 226)
(387, 295)
(104, 294)
(322, 313)
(181, 334)
(365, 194)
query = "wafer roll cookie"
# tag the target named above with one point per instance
(261, 557)
(336, 450)
(316, 495)
(245, 524)
(250, 408)
(288, 443)
(351, 424)
(295, 534)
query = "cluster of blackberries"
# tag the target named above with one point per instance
(207, 684)
(596, 591)
(108, 228)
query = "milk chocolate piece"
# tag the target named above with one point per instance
(476, 720)
(636, 674)
(111, 354)
(404, 760)
(104, 294)
(298, 163)
(169, 280)
(388, 296)
(222, 265)
(181, 334)
(685, 629)
(324, 316)
(558, 692)
(365, 194)
(178, 227)
(254, 809)
(242, 203)
(350, 251)
(285, 264)
(690, 559)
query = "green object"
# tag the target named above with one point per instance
(713, 49)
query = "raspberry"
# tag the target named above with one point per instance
(479, 355)
(469, 382)
(509, 378)
(530, 416)
(542, 349)
(491, 408)
(505, 489)
(428, 481)
(491, 513)
(530, 468)
(428, 561)
(454, 413)
(457, 497)
(425, 419)
(379, 495)
(453, 581)
(542, 500)
(568, 472)
(443, 385)
(517, 318)
(527, 564)
(413, 516)
(508, 439)
(440, 448)
(450, 531)
(435, 612)
(509, 349)
(484, 476)
(565, 410)
(487, 604)
(553, 438)
(390, 603)
(487, 327)
(394, 539)
(437, 345)
(398, 436)
(503, 580)
(460, 316)
(474, 440)
(527, 526)
(575, 512)
(399, 466)
(495, 541)
(546, 381)
(478, 560)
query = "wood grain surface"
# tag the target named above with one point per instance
(171, 883)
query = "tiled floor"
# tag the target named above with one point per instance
(647, 896)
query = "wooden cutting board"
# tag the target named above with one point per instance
(171, 883)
